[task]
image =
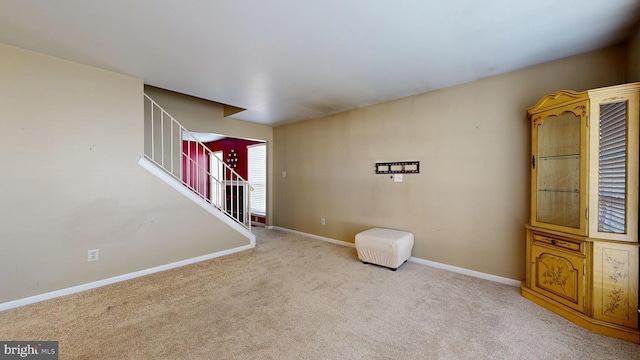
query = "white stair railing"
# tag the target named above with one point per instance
(172, 148)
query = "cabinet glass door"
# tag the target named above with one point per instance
(557, 165)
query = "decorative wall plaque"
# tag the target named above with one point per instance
(232, 159)
(398, 167)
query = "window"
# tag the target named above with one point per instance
(257, 177)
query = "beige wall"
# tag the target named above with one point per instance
(469, 204)
(70, 138)
(633, 49)
(205, 116)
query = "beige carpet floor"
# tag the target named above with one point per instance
(298, 298)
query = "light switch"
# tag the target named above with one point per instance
(397, 177)
(284, 174)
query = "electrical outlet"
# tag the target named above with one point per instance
(93, 255)
(322, 221)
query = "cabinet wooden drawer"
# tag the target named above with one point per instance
(564, 244)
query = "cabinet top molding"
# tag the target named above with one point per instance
(565, 97)
(560, 98)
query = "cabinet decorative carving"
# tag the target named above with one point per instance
(560, 276)
(582, 237)
(615, 286)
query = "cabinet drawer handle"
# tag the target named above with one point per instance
(553, 242)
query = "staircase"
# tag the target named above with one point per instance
(176, 157)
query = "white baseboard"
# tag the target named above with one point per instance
(92, 285)
(317, 237)
(416, 260)
(477, 274)
(112, 280)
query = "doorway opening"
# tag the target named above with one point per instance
(248, 158)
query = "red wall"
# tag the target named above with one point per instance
(192, 174)
(257, 218)
(195, 159)
(239, 145)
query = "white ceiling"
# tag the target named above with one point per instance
(290, 60)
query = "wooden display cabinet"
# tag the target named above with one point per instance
(582, 239)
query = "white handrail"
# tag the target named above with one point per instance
(223, 188)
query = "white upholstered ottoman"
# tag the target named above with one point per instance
(384, 247)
